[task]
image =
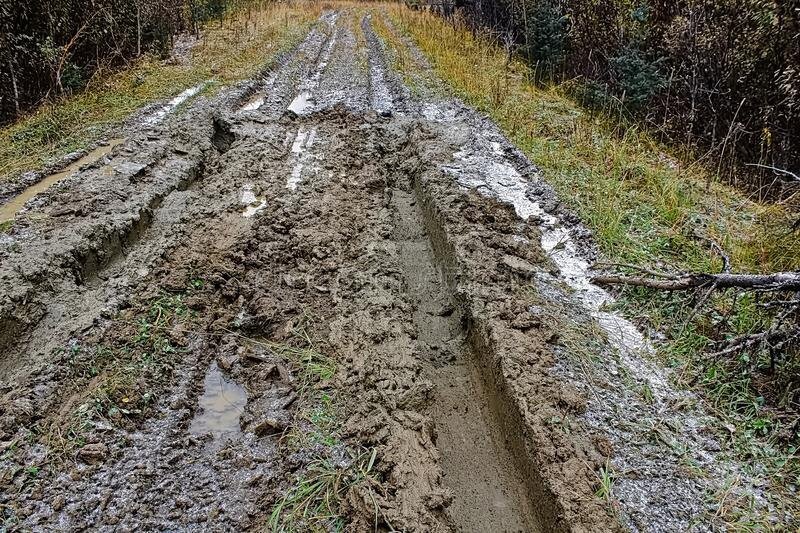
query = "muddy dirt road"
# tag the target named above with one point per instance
(319, 300)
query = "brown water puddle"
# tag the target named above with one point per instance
(220, 406)
(9, 210)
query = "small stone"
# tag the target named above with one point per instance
(93, 453)
(294, 281)
(269, 426)
(525, 321)
(519, 266)
(58, 502)
(226, 363)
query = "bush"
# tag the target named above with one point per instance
(635, 79)
(53, 47)
(722, 75)
(545, 38)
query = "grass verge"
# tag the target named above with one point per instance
(228, 51)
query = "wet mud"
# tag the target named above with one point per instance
(312, 268)
(10, 209)
(477, 467)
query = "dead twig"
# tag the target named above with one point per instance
(775, 338)
(776, 170)
(653, 273)
(717, 249)
(789, 281)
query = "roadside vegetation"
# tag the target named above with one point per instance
(716, 77)
(233, 48)
(649, 209)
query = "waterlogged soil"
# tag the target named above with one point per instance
(318, 268)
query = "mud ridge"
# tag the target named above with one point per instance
(105, 240)
(488, 490)
(495, 360)
(509, 429)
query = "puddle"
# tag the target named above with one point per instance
(220, 406)
(304, 101)
(254, 204)
(170, 106)
(254, 103)
(301, 103)
(10, 209)
(382, 100)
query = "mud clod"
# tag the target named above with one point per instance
(93, 453)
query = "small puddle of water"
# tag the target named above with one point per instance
(253, 205)
(9, 210)
(170, 106)
(220, 406)
(300, 147)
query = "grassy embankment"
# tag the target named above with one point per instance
(647, 208)
(229, 50)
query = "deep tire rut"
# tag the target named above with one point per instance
(488, 491)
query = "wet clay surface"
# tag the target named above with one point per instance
(311, 268)
(9, 209)
(490, 490)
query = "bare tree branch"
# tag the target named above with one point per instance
(779, 281)
(775, 169)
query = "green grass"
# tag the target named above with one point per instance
(317, 418)
(124, 373)
(312, 503)
(230, 50)
(605, 485)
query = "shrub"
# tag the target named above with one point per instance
(720, 75)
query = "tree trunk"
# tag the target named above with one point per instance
(14, 86)
(138, 29)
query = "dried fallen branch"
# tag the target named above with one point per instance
(776, 339)
(783, 331)
(779, 281)
(781, 171)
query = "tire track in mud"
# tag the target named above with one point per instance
(90, 238)
(489, 493)
(346, 244)
(147, 473)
